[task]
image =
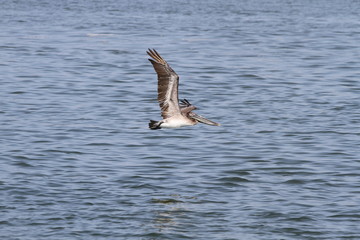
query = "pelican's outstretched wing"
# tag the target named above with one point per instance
(186, 107)
(168, 82)
(184, 103)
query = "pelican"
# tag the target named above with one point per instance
(174, 115)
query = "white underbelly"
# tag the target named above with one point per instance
(176, 123)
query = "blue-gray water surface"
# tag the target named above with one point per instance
(77, 160)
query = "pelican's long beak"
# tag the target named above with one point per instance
(202, 119)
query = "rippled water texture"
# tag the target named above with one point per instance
(77, 91)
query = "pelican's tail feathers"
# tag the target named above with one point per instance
(153, 125)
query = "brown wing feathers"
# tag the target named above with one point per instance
(167, 85)
(156, 56)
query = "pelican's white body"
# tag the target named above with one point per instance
(177, 121)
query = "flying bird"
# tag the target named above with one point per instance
(174, 115)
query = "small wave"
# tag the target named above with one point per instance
(99, 34)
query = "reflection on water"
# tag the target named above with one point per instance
(165, 220)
